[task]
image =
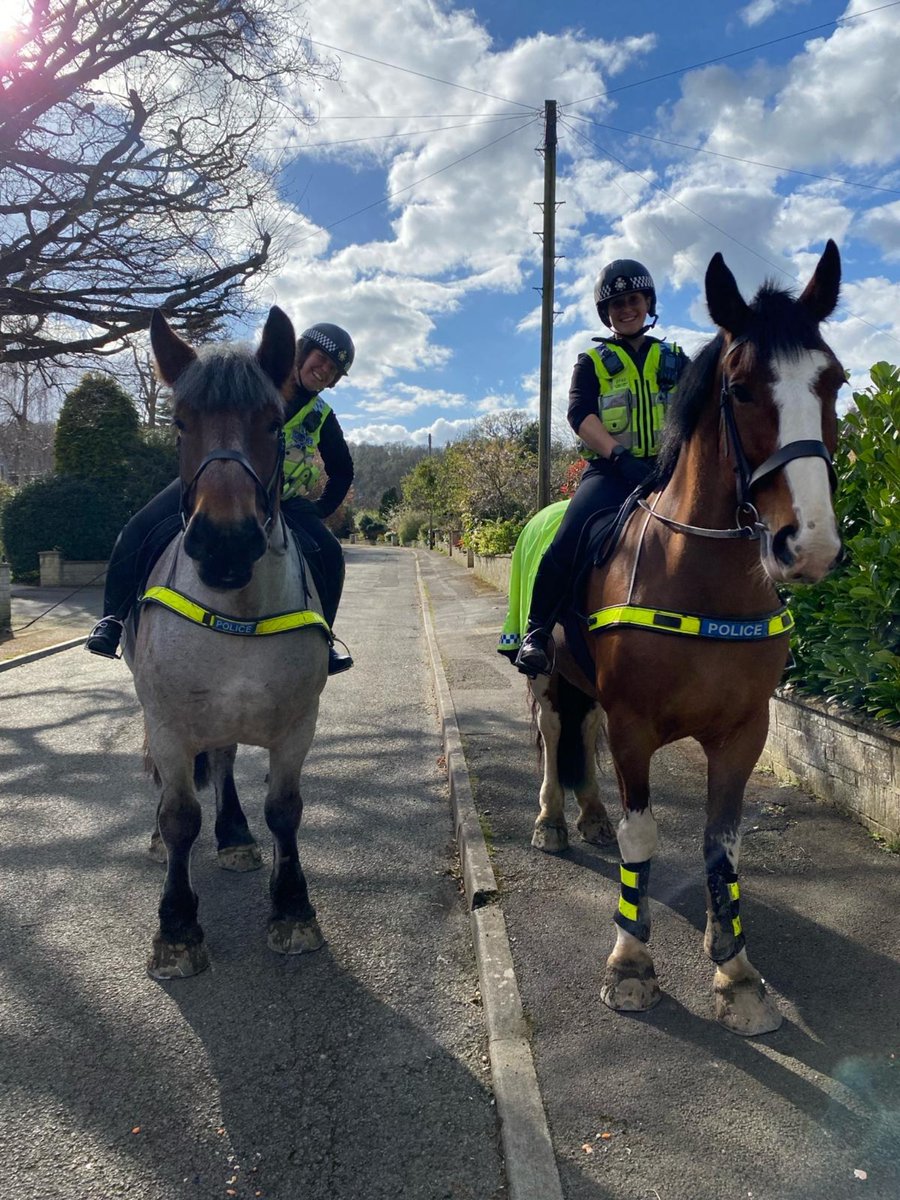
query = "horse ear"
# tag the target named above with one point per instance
(173, 355)
(277, 349)
(723, 298)
(821, 293)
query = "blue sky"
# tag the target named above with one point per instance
(437, 283)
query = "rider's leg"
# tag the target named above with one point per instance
(332, 559)
(122, 572)
(599, 488)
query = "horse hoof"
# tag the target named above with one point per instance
(241, 858)
(597, 829)
(630, 987)
(745, 1007)
(157, 849)
(552, 839)
(295, 937)
(177, 960)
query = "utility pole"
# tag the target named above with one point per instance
(430, 498)
(549, 239)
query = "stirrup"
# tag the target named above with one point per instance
(105, 637)
(533, 660)
(337, 662)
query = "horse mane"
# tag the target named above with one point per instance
(224, 379)
(778, 325)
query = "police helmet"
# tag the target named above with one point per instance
(334, 341)
(619, 277)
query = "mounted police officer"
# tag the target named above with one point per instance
(325, 354)
(618, 398)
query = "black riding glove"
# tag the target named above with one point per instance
(632, 470)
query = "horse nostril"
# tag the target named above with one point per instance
(780, 547)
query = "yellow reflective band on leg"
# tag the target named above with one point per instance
(629, 878)
(628, 910)
(734, 891)
(736, 926)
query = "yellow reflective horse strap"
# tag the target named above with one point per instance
(727, 629)
(185, 607)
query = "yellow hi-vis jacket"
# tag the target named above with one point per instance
(301, 439)
(633, 404)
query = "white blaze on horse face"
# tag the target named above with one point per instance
(638, 836)
(816, 543)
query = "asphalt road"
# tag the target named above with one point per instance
(668, 1105)
(357, 1073)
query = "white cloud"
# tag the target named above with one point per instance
(760, 10)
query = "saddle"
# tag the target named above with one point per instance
(596, 546)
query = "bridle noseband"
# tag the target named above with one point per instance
(268, 493)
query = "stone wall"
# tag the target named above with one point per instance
(823, 749)
(838, 757)
(57, 571)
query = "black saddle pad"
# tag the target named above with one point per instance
(599, 539)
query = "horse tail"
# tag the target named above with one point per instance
(573, 707)
(201, 769)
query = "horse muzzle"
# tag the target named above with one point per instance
(801, 556)
(224, 555)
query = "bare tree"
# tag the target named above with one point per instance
(132, 164)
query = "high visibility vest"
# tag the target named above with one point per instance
(633, 404)
(301, 439)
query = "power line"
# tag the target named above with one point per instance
(874, 187)
(724, 232)
(410, 186)
(407, 133)
(734, 54)
(422, 75)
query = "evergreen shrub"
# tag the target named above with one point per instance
(80, 517)
(847, 641)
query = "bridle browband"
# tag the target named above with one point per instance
(748, 477)
(267, 492)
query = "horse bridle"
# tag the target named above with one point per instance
(268, 492)
(747, 477)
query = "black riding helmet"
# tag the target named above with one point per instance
(334, 341)
(619, 277)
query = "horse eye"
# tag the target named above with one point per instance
(275, 427)
(179, 425)
(741, 393)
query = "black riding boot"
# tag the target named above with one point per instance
(551, 583)
(104, 638)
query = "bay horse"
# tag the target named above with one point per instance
(206, 670)
(687, 634)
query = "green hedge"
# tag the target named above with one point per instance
(80, 517)
(847, 643)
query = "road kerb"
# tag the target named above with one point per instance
(33, 655)
(531, 1169)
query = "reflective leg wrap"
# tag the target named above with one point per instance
(727, 938)
(634, 907)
